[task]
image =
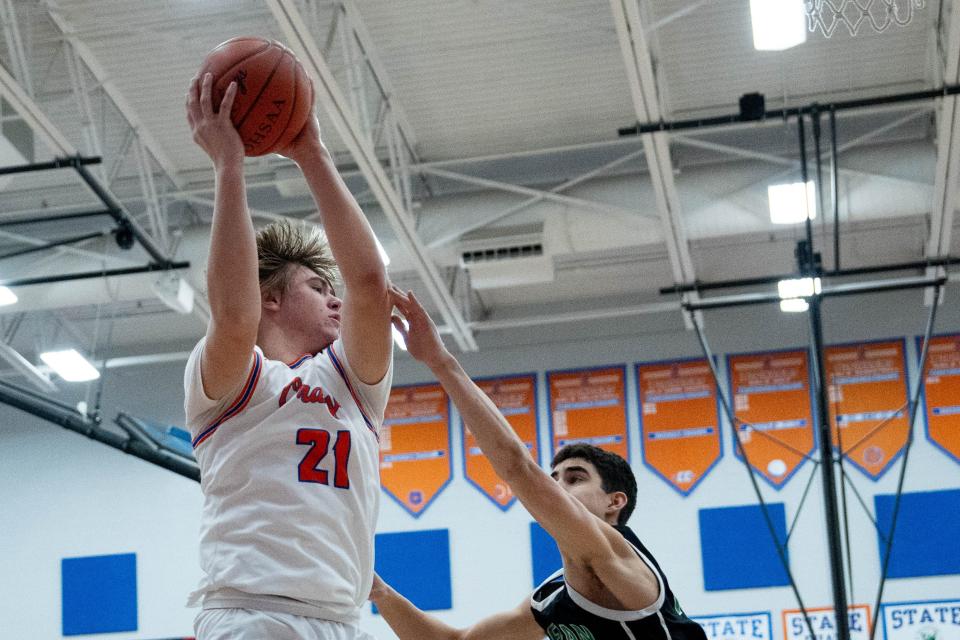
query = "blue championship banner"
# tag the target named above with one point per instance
(737, 626)
(929, 620)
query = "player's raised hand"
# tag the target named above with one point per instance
(420, 334)
(212, 129)
(307, 144)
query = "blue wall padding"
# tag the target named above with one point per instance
(737, 549)
(926, 536)
(417, 564)
(99, 594)
(544, 554)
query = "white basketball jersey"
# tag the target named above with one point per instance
(290, 474)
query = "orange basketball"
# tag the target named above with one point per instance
(274, 94)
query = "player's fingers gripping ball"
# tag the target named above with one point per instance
(274, 95)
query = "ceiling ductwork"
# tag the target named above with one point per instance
(507, 257)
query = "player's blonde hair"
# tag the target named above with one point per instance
(281, 246)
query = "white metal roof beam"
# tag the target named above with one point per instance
(361, 147)
(529, 191)
(96, 69)
(643, 89)
(785, 162)
(500, 215)
(948, 152)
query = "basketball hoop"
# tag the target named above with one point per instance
(828, 15)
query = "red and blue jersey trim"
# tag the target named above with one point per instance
(299, 361)
(356, 397)
(237, 405)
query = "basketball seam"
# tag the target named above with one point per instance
(296, 95)
(293, 105)
(229, 70)
(263, 88)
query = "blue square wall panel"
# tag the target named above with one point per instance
(99, 594)
(544, 554)
(417, 564)
(926, 535)
(737, 549)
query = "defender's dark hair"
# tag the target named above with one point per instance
(615, 473)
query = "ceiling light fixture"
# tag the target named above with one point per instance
(383, 252)
(398, 338)
(794, 305)
(789, 204)
(778, 24)
(7, 297)
(70, 365)
(798, 288)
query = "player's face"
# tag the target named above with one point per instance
(311, 309)
(580, 479)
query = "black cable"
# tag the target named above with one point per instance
(835, 188)
(786, 445)
(866, 509)
(803, 499)
(843, 506)
(914, 405)
(725, 403)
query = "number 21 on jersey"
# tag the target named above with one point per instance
(319, 441)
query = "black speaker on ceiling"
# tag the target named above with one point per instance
(752, 106)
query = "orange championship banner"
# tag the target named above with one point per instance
(679, 421)
(867, 386)
(516, 398)
(589, 406)
(771, 401)
(415, 463)
(941, 393)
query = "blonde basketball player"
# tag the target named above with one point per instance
(284, 397)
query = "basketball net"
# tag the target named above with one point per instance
(829, 15)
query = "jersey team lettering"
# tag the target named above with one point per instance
(569, 632)
(305, 393)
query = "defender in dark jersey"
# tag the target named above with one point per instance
(610, 587)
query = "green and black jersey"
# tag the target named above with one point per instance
(564, 614)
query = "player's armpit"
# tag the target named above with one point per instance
(635, 584)
(515, 624)
(225, 361)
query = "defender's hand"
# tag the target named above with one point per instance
(421, 336)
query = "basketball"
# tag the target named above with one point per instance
(274, 94)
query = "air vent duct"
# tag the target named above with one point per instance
(507, 257)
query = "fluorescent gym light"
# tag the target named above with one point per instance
(778, 24)
(798, 288)
(794, 305)
(398, 339)
(7, 297)
(789, 204)
(383, 252)
(70, 365)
